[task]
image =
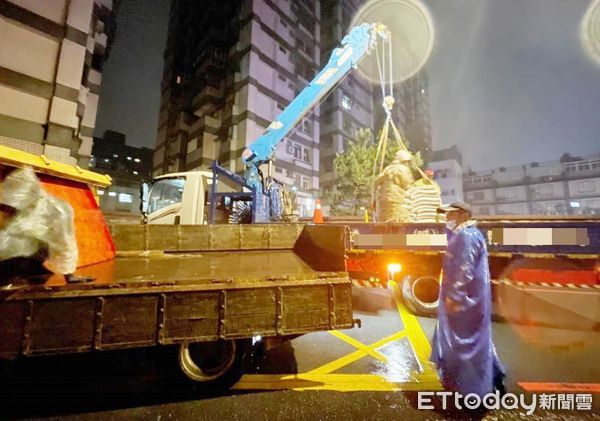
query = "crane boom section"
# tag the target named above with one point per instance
(354, 46)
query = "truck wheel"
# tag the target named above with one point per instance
(208, 366)
(421, 295)
(206, 362)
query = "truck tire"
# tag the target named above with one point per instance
(421, 295)
(203, 366)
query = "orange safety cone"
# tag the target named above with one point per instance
(318, 215)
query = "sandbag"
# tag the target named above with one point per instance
(390, 190)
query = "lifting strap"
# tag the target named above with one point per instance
(385, 69)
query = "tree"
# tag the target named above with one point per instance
(354, 175)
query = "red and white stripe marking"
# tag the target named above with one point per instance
(544, 284)
(369, 283)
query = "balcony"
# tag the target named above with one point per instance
(583, 169)
(205, 100)
(471, 185)
(302, 164)
(101, 40)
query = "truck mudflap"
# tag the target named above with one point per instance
(174, 284)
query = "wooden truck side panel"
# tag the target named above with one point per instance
(39, 319)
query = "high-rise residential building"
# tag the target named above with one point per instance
(357, 102)
(230, 69)
(350, 106)
(411, 112)
(51, 56)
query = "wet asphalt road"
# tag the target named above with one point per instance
(120, 386)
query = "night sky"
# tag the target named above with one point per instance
(130, 91)
(509, 81)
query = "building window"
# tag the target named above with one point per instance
(543, 191)
(289, 148)
(587, 187)
(125, 198)
(304, 182)
(289, 174)
(478, 195)
(282, 77)
(583, 167)
(327, 142)
(297, 151)
(283, 23)
(283, 50)
(347, 124)
(346, 102)
(280, 106)
(279, 170)
(305, 127)
(508, 193)
(306, 155)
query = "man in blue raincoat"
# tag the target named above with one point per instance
(462, 346)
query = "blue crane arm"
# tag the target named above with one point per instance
(355, 45)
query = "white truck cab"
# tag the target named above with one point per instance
(178, 198)
(183, 198)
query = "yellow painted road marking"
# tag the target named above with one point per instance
(356, 355)
(560, 387)
(359, 345)
(416, 336)
(338, 382)
(321, 378)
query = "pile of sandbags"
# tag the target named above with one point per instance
(422, 200)
(390, 191)
(401, 198)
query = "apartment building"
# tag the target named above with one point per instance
(51, 56)
(568, 186)
(411, 111)
(446, 165)
(230, 69)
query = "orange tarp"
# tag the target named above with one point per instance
(93, 237)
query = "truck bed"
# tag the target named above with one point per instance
(170, 284)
